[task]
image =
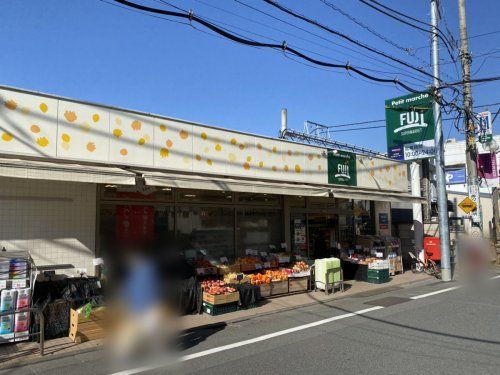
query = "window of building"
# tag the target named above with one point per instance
(258, 229)
(205, 230)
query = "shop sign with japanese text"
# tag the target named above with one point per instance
(410, 127)
(484, 127)
(342, 168)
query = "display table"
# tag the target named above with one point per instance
(354, 271)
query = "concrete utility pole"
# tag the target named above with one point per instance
(470, 138)
(444, 232)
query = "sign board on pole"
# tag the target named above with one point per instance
(342, 168)
(487, 169)
(484, 127)
(467, 205)
(410, 126)
(455, 176)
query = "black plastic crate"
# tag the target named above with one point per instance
(219, 309)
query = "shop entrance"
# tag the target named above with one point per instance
(314, 235)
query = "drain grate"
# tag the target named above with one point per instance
(388, 301)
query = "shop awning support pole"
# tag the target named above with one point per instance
(418, 227)
(442, 199)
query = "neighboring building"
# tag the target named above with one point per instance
(454, 158)
(78, 178)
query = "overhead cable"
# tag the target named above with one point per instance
(346, 37)
(283, 47)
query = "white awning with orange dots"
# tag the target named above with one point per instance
(42, 170)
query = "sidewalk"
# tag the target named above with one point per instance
(24, 353)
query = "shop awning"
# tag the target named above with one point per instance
(230, 184)
(191, 181)
(373, 195)
(42, 170)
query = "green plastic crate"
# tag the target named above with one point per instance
(379, 274)
(219, 309)
(373, 280)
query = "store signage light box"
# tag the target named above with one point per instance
(410, 127)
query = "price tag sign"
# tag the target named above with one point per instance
(3, 284)
(284, 259)
(249, 252)
(258, 266)
(204, 252)
(263, 254)
(223, 260)
(17, 284)
(267, 265)
(298, 257)
(200, 271)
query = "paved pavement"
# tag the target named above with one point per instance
(386, 332)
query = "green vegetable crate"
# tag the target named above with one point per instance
(214, 310)
(378, 276)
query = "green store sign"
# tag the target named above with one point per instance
(410, 126)
(342, 168)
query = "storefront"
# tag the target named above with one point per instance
(93, 176)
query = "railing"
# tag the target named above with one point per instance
(41, 321)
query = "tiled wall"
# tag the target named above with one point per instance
(53, 220)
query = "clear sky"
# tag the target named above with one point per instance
(94, 51)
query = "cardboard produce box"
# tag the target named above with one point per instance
(279, 287)
(221, 299)
(87, 325)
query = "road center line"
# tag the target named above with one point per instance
(248, 342)
(436, 292)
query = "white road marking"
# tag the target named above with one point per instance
(436, 292)
(248, 342)
(495, 277)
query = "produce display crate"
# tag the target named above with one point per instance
(85, 328)
(251, 267)
(233, 268)
(265, 290)
(378, 274)
(298, 284)
(214, 310)
(279, 287)
(221, 299)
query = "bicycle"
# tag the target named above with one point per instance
(429, 266)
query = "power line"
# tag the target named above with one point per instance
(484, 34)
(346, 37)
(443, 38)
(368, 28)
(383, 120)
(403, 73)
(316, 35)
(283, 47)
(477, 80)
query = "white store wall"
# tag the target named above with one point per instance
(54, 220)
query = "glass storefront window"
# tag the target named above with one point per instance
(263, 199)
(207, 231)
(138, 225)
(256, 229)
(185, 195)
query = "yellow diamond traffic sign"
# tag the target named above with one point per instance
(467, 205)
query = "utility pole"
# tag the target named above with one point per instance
(470, 138)
(444, 232)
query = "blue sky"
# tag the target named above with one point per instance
(90, 50)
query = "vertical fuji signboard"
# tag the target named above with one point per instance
(342, 168)
(410, 127)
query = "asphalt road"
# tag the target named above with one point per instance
(453, 332)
